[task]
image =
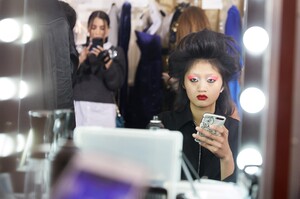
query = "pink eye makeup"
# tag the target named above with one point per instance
(212, 78)
(192, 78)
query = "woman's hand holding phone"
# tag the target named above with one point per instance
(219, 146)
(84, 53)
(96, 42)
(213, 135)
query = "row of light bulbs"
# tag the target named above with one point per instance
(252, 100)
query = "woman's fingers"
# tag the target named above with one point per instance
(97, 50)
(209, 139)
(216, 142)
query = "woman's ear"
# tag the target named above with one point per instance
(221, 89)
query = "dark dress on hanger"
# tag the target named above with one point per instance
(146, 100)
(123, 42)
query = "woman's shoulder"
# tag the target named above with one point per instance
(174, 119)
(232, 120)
(232, 125)
(168, 119)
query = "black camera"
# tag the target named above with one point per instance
(104, 56)
(111, 53)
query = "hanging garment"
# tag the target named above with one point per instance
(146, 100)
(233, 27)
(113, 27)
(123, 41)
(47, 60)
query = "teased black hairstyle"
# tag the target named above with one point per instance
(219, 50)
(100, 14)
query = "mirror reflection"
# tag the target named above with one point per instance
(126, 57)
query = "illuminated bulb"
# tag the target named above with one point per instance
(6, 145)
(7, 88)
(9, 30)
(252, 100)
(256, 39)
(249, 156)
(20, 142)
(23, 89)
(27, 34)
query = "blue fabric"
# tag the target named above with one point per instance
(233, 27)
(120, 122)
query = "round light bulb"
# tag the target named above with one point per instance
(24, 89)
(27, 33)
(249, 156)
(252, 100)
(7, 88)
(256, 40)
(9, 30)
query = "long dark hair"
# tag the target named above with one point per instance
(100, 14)
(218, 49)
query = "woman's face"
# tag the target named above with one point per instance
(203, 84)
(98, 28)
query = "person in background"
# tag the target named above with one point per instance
(204, 62)
(101, 72)
(192, 19)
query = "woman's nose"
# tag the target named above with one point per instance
(98, 31)
(201, 86)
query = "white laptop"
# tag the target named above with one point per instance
(158, 151)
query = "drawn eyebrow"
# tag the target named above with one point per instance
(192, 76)
(214, 77)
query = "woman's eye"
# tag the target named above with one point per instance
(211, 80)
(194, 79)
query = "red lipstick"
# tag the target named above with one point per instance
(201, 97)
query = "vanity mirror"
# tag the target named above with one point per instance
(29, 79)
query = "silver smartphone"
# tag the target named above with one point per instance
(211, 119)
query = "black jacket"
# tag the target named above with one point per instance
(97, 84)
(208, 165)
(46, 67)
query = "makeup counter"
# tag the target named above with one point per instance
(94, 162)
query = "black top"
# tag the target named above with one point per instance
(94, 83)
(204, 162)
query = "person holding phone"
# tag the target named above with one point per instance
(101, 72)
(204, 62)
